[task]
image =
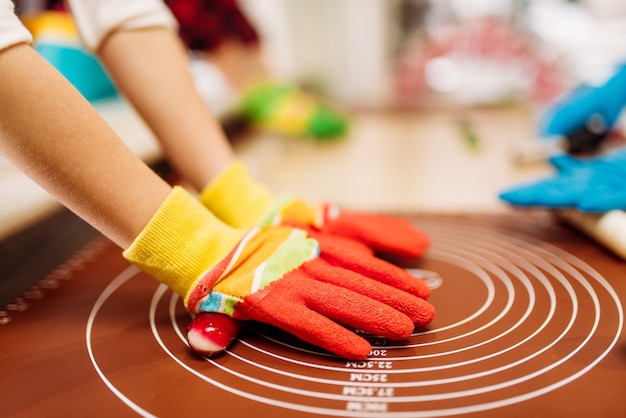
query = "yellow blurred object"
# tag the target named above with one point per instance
(53, 25)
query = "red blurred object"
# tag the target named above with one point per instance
(488, 40)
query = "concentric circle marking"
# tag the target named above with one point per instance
(516, 320)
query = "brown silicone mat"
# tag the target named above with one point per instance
(529, 323)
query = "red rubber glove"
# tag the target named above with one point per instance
(384, 234)
(211, 333)
(273, 275)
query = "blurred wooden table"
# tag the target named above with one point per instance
(418, 161)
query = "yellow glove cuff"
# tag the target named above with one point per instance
(181, 242)
(236, 198)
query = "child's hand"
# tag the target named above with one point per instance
(279, 276)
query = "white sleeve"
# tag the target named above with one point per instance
(12, 32)
(96, 19)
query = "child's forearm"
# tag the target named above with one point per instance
(158, 83)
(51, 132)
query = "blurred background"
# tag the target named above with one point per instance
(381, 53)
(438, 95)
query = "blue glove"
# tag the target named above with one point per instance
(570, 113)
(586, 115)
(592, 185)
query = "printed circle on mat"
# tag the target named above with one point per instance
(517, 318)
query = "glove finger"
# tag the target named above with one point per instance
(345, 242)
(358, 311)
(370, 266)
(554, 193)
(564, 162)
(210, 333)
(385, 234)
(563, 116)
(286, 306)
(417, 309)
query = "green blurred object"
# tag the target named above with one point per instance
(470, 137)
(326, 123)
(289, 110)
(260, 101)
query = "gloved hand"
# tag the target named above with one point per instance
(241, 202)
(274, 275)
(593, 185)
(211, 333)
(586, 115)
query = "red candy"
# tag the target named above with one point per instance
(211, 333)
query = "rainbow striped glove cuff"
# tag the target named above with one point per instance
(210, 264)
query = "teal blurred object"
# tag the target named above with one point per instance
(81, 68)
